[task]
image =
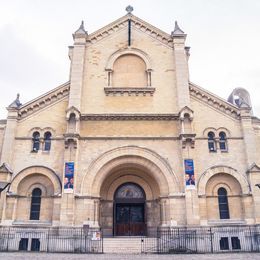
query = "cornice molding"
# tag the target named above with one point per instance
(214, 101)
(121, 117)
(137, 24)
(129, 91)
(106, 138)
(44, 100)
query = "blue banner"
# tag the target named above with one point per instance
(69, 175)
(189, 172)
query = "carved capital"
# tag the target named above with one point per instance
(187, 139)
(71, 140)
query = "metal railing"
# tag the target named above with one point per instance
(202, 240)
(55, 239)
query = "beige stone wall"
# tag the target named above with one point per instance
(52, 116)
(234, 193)
(51, 119)
(2, 131)
(129, 71)
(95, 79)
(129, 128)
(208, 119)
(257, 134)
(91, 150)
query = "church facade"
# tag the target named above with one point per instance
(129, 143)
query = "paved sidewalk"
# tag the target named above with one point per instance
(56, 256)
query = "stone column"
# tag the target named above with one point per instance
(251, 167)
(191, 193)
(254, 201)
(181, 67)
(67, 199)
(96, 213)
(249, 136)
(9, 137)
(77, 56)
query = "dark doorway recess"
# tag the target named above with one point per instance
(129, 210)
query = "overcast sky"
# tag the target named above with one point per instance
(224, 36)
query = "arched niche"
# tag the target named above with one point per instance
(209, 173)
(34, 171)
(129, 68)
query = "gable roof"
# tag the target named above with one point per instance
(136, 23)
(44, 100)
(214, 101)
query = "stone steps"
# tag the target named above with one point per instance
(127, 245)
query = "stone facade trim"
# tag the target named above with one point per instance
(202, 181)
(5, 168)
(129, 91)
(253, 168)
(44, 100)
(156, 165)
(54, 178)
(214, 101)
(132, 51)
(107, 117)
(137, 24)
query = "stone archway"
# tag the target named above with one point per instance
(20, 194)
(238, 195)
(149, 204)
(31, 171)
(204, 178)
(144, 159)
(138, 165)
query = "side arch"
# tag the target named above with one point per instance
(144, 158)
(43, 170)
(133, 51)
(202, 182)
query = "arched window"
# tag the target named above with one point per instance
(222, 141)
(211, 142)
(72, 123)
(187, 123)
(47, 141)
(223, 203)
(36, 141)
(35, 204)
(129, 191)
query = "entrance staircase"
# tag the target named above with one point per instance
(122, 245)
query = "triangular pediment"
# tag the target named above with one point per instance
(253, 168)
(186, 110)
(4, 168)
(71, 110)
(136, 23)
(44, 100)
(213, 101)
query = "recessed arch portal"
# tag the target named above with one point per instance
(129, 210)
(145, 160)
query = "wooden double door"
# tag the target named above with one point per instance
(129, 219)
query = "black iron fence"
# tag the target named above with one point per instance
(73, 240)
(202, 240)
(158, 240)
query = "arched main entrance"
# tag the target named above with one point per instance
(129, 210)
